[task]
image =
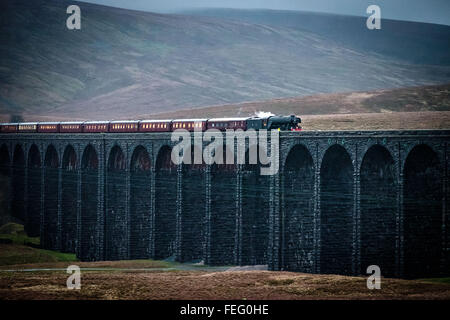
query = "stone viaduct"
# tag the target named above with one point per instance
(342, 200)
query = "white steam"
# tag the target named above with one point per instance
(263, 114)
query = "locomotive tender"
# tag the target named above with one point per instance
(282, 123)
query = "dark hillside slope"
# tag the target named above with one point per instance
(126, 63)
(413, 42)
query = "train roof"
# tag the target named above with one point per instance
(10, 124)
(189, 120)
(72, 122)
(28, 123)
(228, 119)
(124, 121)
(155, 121)
(97, 122)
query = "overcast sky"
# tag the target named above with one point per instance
(434, 11)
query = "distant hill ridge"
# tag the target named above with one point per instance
(125, 63)
(423, 99)
(412, 99)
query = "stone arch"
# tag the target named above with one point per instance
(337, 205)
(89, 204)
(18, 185)
(422, 213)
(255, 212)
(298, 232)
(34, 176)
(378, 203)
(165, 204)
(5, 160)
(140, 203)
(49, 238)
(5, 183)
(223, 213)
(193, 209)
(69, 197)
(116, 227)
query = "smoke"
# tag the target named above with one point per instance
(263, 114)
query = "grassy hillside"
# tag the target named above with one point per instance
(407, 108)
(411, 99)
(17, 248)
(123, 63)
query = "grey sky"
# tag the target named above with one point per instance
(433, 11)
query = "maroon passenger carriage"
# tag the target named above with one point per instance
(227, 123)
(9, 127)
(190, 124)
(71, 127)
(48, 127)
(96, 126)
(124, 126)
(155, 125)
(27, 127)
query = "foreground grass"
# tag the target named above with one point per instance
(438, 280)
(21, 249)
(15, 254)
(19, 252)
(150, 279)
(236, 285)
(17, 235)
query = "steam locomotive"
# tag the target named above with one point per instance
(282, 123)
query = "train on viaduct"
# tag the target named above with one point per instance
(341, 201)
